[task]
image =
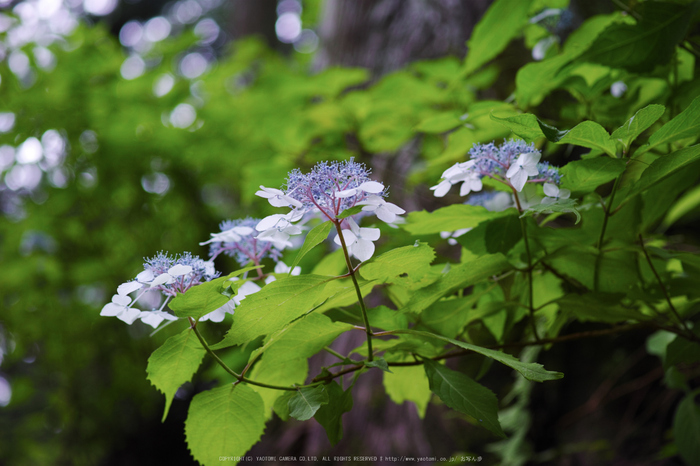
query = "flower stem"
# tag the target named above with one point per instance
(351, 271)
(530, 297)
(606, 212)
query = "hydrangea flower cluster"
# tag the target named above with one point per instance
(329, 189)
(514, 163)
(168, 274)
(238, 239)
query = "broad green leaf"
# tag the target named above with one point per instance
(463, 394)
(330, 415)
(379, 363)
(617, 269)
(494, 236)
(408, 383)
(307, 401)
(225, 421)
(650, 42)
(684, 125)
(633, 127)
(386, 319)
(589, 134)
(531, 371)
(529, 127)
(271, 308)
(665, 166)
(457, 278)
(448, 317)
(501, 23)
(347, 213)
(200, 300)
(686, 428)
(560, 205)
(288, 374)
(584, 176)
(174, 363)
(598, 307)
(440, 123)
(682, 350)
(686, 204)
(405, 266)
(450, 218)
(316, 236)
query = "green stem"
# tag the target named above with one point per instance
(601, 238)
(531, 306)
(334, 353)
(661, 285)
(351, 271)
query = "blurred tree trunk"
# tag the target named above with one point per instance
(253, 17)
(384, 35)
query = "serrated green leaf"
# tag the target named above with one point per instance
(589, 134)
(458, 277)
(686, 428)
(450, 218)
(501, 23)
(560, 205)
(330, 415)
(225, 421)
(665, 166)
(174, 363)
(406, 265)
(386, 319)
(463, 394)
(200, 300)
(379, 363)
(493, 236)
(584, 176)
(439, 123)
(684, 125)
(307, 401)
(316, 236)
(641, 120)
(408, 383)
(529, 127)
(531, 371)
(271, 308)
(650, 42)
(598, 307)
(349, 212)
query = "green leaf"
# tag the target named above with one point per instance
(307, 401)
(448, 317)
(408, 383)
(271, 308)
(174, 363)
(589, 134)
(529, 127)
(584, 176)
(330, 415)
(665, 166)
(686, 428)
(682, 350)
(225, 421)
(450, 218)
(379, 363)
(405, 266)
(347, 213)
(386, 319)
(560, 205)
(641, 120)
(598, 307)
(686, 204)
(461, 393)
(648, 43)
(494, 236)
(439, 123)
(457, 278)
(316, 236)
(200, 300)
(684, 125)
(531, 371)
(501, 23)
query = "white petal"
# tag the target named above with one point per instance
(371, 234)
(385, 215)
(518, 180)
(129, 315)
(372, 187)
(121, 300)
(513, 170)
(246, 289)
(445, 234)
(465, 189)
(372, 201)
(348, 236)
(128, 287)
(179, 270)
(346, 193)
(217, 315)
(564, 193)
(442, 188)
(163, 278)
(151, 318)
(268, 192)
(363, 249)
(354, 227)
(551, 190)
(145, 277)
(393, 208)
(281, 267)
(111, 310)
(268, 222)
